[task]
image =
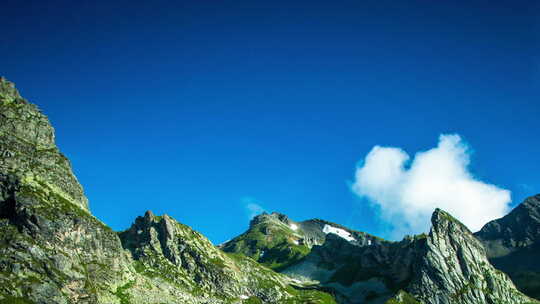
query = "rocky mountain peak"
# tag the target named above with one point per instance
(281, 217)
(513, 244)
(8, 92)
(533, 201)
(442, 221)
(531, 207)
(160, 244)
(521, 227)
(28, 149)
(455, 268)
(151, 234)
(149, 214)
(272, 217)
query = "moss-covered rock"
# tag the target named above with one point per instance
(28, 150)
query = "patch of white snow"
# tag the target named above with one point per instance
(340, 232)
(294, 227)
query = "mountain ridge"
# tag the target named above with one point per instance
(277, 241)
(513, 244)
(53, 250)
(375, 271)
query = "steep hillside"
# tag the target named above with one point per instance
(52, 250)
(513, 245)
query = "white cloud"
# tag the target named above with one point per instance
(439, 177)
(253, 207)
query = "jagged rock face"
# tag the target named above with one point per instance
(161, 245)
(28, 150)
(518, 229)
(513, 245)
(455, 269)
(52, 251)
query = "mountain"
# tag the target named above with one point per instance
(513, 245)
(278, 242)
(53, 250)
(449, 265)
(454, 268)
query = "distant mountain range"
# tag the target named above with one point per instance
(53, 250)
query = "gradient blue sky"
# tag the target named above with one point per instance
(191, 107)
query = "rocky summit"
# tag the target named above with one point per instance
(513, 245)
(53, 250)
(278, 242)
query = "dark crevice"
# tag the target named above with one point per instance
(9, 184)
(11, 209)
(7, 208)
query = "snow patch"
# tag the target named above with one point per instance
(340, 232)
(296, 242)
(244, 297)
(294, 227)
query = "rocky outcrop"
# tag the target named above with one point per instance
(513, 245)
(455, 269)
(52, 251)
(518, 229)
(28, 150)
(165, 248)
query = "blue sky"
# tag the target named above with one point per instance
(196, 108)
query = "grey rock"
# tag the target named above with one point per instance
(454, 268)
(513, 245)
